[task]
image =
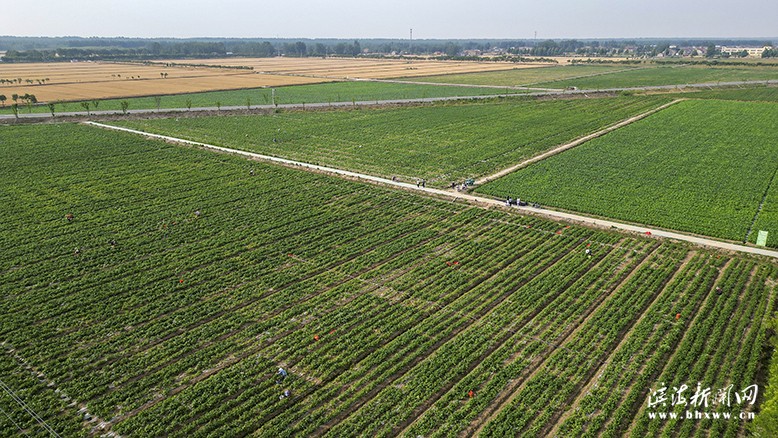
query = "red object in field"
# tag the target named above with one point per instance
(588, 245)
(316, 337)
(648, 233)
(677, 316)
(470, 393)
(332, 331)
(181, 280)
(448, 263)
(290, 254)
(456, 263)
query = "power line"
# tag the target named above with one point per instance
(24, 406)
(14, 422)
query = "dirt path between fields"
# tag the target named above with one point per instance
(466, 197)
(574, 143)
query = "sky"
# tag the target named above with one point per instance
(429, 19)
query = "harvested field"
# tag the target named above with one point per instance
(87, 80)
(103, 80)
(343, 68)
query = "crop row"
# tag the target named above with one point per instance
(629, 371)
(728, 331)
(535, 406)
(353, 336)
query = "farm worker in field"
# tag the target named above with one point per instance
(418, 183)
(281, 375)
(77, 251)
(251, 172)
(508, 202)
(113, 243)
(285, 394)
(69, 217)
(677, 316)
(470, 393)
(588, 252)
(424, 183)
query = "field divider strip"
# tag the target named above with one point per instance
(575, 143)
(512, 389)
(698, 316)
(38, 374)
(553, 430)
(761, 205)
(454, 196)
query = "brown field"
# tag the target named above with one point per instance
(98, 80)
(351, 68)
(103, 80)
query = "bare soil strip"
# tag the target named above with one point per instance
(96, 422)
(761, 205)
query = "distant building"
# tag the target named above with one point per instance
(754, 52)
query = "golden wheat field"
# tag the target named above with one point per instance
(102, 80)
(352, 68)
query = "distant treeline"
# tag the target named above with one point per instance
(44, 49)
(37, 51)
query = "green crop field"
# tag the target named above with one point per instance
(524, 76)
(698, 166)
(439, 143)
(754, 94)
(318, 93)
(180, 284)
(667, 75)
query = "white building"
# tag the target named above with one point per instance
(755, 52)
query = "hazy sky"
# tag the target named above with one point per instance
(517, 19)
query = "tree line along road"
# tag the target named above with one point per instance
(43, 116)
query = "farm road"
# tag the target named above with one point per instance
(478, 200)
(574, 143)
(679, 87)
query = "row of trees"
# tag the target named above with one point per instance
(23, 49)
(27, 81)
(28, 99)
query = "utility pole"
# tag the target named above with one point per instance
(410, 48)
